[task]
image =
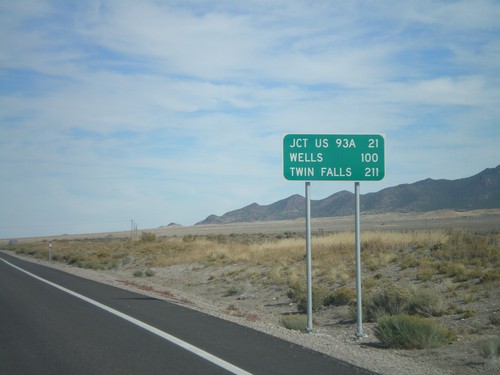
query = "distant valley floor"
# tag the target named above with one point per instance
(485, 220)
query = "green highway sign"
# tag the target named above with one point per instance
(333, 157)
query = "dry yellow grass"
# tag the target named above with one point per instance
(282, 258)
(329, 252)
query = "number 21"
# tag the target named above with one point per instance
(372, 143)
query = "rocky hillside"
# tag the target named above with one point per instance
(476, 192)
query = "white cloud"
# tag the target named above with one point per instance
(170, 111)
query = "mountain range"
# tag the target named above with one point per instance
(477, 192)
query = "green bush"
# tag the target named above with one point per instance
(469, 313)
(298, 293)
(426, 303)
(491, 275)
(426, 274)
(216, 256)
(219, 238)
(295, 322)
(233, 291)
(490, 348)
(390, 301)
(341, 297)
(412, 332)
(455, 270)
(150, 272)
(320, 295)
(138, 274)
(148, 237)
(296, 290)
(189, 238)
(495, 319)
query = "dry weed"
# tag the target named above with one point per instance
(456, 255)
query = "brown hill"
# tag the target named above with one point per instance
(476, 192)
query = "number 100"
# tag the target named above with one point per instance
(369, 158)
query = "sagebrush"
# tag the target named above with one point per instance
(412, 332)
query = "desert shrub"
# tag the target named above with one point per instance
(390, 301)
(296, 290)
(425, 274)
(438, 246)
(148, 237)
(320, 295)
(452, 269)
(26, 249)
(234, 290)
(189, 238)
(150, 272)
(216, 256)
(380, 259)
(468, 297)
(218, 238)
(490, 348)
(341, 297)
(138, 274)
(294, 322)
(412, 332)
(474, 248)
(370, 283)
(90, 260)
(408, 261)
(495, 319)
(491, 275)
(426, 302)
(469, 313)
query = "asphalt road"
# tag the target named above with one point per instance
(52, 322)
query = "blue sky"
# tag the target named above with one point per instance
(168, 111)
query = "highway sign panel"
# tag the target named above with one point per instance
(333, 157)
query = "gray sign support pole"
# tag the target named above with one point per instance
(357, 228)
(309, 326)
(50, 252)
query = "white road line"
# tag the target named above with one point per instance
(193, 349)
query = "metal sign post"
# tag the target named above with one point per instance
(357, 235)
(309, 326)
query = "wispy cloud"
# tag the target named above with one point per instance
(170, 111)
